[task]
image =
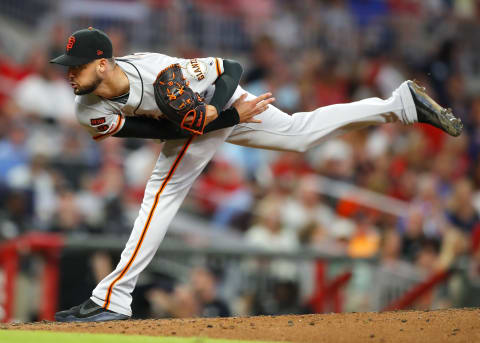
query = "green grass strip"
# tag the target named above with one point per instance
(7, 336)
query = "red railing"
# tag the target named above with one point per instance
(417, 291)
(46, 245)
(327, 294)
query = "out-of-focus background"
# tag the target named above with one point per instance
(386, 217)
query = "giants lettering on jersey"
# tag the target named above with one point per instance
(97, 121)
(197, 69)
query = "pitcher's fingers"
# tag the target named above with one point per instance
(261, 98)
(266, 102)
(260, 109)
(242, 97)
(253, 120)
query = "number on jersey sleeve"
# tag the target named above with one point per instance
(99, 124)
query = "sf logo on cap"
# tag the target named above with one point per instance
(70, 43)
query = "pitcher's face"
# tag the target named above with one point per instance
(84, 78)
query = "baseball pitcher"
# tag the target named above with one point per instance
(195, 105)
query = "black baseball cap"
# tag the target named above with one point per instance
(84, 46)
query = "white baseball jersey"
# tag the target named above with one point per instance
(104, 117)
(181, 161)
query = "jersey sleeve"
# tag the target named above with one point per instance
(98, 123)
(202, 72)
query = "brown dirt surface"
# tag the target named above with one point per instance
(455, 325)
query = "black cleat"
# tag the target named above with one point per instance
(428, 111)
(88, 312)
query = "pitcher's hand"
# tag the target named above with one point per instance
(247, 110)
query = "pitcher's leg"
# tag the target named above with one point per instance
(175, 172)
(303, 130)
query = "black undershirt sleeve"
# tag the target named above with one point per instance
(146, 127)
(225, 85)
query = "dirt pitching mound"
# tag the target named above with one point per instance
(456, 325)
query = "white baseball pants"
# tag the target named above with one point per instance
(182, 161)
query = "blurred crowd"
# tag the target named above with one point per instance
(55, 178)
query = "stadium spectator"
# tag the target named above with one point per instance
(204, 286)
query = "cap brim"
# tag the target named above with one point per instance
(71, 61)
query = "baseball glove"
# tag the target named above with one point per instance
(178, 102)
